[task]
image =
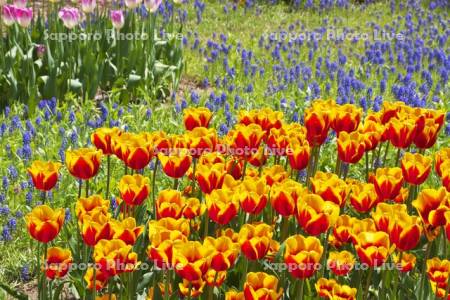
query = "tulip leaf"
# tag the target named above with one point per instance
(13, 293)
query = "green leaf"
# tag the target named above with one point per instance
(13, 293)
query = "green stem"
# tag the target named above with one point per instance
(397, 277)
(367, 166)
(366, 289)
(194, 168)
(244, 170)
(337, 169)
(108, 175)
(175, 184)
(284, 228)
(398, 156)
(166, 285)
(190, 290)
(424, 270)
(300, 289)
(80, 185)
(386, 152)
(155, 170)
(87, 188)
(44, 196)
(44, 279)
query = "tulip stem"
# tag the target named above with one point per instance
(397, 277)
(284, 228)
(300, 289)
(155, 169)
(244, 170)
(398, 156)
(386, 152)
(367, 166)
(108, 175)
(337, 170)
(80, 185)
(44, 280)
(366, 289)
(175, 184)
(87, 188)
(44, 196)
(166, 285)
(424, 269)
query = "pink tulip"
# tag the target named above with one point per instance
(20, 3)
(8, 14)
(132, 3)
(88, 6)
(23, 16)
(117, 19)
(70, 16)
(152, 5)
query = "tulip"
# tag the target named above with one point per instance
(407, 263)
(255, 240)
(160, 251)
(234, 295)
(438, 271)
(57, 263)
(127, 231)
(196, 117)
(225, 252)
(193, 208)
(315, 215)
(211, 177)
(390, 110)
(44, 174)
(298, 153)
(83, 163)
(343, 292)
(431, 205)
(23, 16)
(88, 6)
(181, 225)
(191, 289)
(117, 19)
(137, 151)
(372, 247)
(405, 231)
(132, 4)
(102, 139)
(340, 263)
(169, 204)
(317, 123)
(388, 182)
(346, 118)
(427, 135)
(176, 165)
(275, 173)
(302, 255)
(96, 227)
(441, 156)
(445, 171)
(8, 14)
(350, 147)
(215, 278)
(364, 225)
(200, 140)
(191, 259)
(277, 141)
(244, 140)
(114, 256)
(222, 206)
(385, 215)
(152, 5)
(70, 17)
(134, 189)
(259, 158)
(266, 118)
(261, 285)
(88, 206)
(235, 167)
(372, 134)
(284, 196)
(324, 287)
(415, 168)
(100, 281)
(330, 187)
(252, 195)
(401, 132)
(363, 197)
(44, 223)
(343, 228)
